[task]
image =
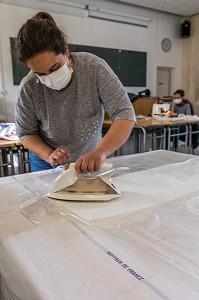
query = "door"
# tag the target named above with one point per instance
(163, 82)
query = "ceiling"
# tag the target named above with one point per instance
(184, 8)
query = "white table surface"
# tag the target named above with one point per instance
(143, 245)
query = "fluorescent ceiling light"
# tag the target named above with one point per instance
(117, 17)
(80, 10)
(60, 6)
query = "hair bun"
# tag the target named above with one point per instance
(44, 16)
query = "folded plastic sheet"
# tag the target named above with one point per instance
(50, 252)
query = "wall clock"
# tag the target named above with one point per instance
(166, 45)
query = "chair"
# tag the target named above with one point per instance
(6, 161)
(193, 136)
(173, 134)
(23, 158)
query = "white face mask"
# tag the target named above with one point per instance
(177, 101)
(58, 79)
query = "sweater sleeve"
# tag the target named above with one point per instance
(25, 118)
(113, 94)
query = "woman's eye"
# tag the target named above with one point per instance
(54, 69)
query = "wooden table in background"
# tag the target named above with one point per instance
(144, 125)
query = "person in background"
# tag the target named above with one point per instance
(61, 103)
(182, 106)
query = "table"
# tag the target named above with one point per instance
(162, 129)
(143, 245)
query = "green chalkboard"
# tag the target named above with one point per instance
(19, 69)
(130, 66)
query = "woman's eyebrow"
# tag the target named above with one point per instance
(55, 65)
(51, 69)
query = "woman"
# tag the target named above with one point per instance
(60, 108)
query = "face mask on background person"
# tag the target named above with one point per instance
(177, 101)
(58, 79)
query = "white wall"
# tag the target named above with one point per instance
(190, 64)
(93, 32)
(168, 27)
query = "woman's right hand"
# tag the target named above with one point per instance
(59, 156)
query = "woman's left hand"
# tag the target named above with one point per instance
(59, 156)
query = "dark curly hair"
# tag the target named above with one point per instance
(181, 92)
(37, 35)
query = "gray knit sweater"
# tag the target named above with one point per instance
(74, 117)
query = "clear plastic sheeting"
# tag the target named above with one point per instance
(63, 257)
(167, 237)
(149, 160)
(143, 245)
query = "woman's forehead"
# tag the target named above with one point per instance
(44, 61)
